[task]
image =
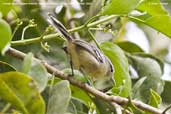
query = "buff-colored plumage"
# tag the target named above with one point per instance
(85, 57)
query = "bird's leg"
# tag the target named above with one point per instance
(71, 65)
(70, 61)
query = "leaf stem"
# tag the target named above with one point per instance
(7, 106)
(93, 38)
(19, 23)
(52, 36)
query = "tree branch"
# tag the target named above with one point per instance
(112, 99)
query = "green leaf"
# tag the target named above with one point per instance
(119, 7)
(76, 106)
(143, 93)
(166, 95)
(27, 63)
(137, 85)
(155, 17)
(120, 62)
(5, 6)
(21, 91)
(155, 99)
(80, 94)
(104, 107)
(143, 61)
(59, 98)
(5, 36)
(36, 70)
(39, 74)
(77, 92)
(4, 67)
(153, 7)
(77, 74)
(159, 23)
(0, 14)
(129, 46)
(147, 66)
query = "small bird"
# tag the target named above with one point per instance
(85, 57)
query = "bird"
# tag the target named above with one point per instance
(86, 58)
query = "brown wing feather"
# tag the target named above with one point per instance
(90, 48)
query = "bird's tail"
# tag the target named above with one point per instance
(59, 26)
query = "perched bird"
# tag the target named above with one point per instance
(85, 57)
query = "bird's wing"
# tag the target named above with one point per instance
(92, 49)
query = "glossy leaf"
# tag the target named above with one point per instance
(21, 91)
(143, 62)
(129, 46)
(120, 62)
(36, 70)
(149, 83)
(76, 106)
(119, 7)
(160, 23)
(5, 67)
(147, 66)
(153, 7)
(5, 6)
(39, 73)
(155, 99)
(137, 85)
(59, 98)
(77, 74)
(104, 107)
(27, 63)
(166, 95)
(77, 92)
(5, 36)
(156, 16)
(80, 94)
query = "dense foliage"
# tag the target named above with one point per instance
(133, 34)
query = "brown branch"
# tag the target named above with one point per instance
(113, 99)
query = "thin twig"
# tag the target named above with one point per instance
(7, 106)
(169, 107)
(52, 36)
(113, 99)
